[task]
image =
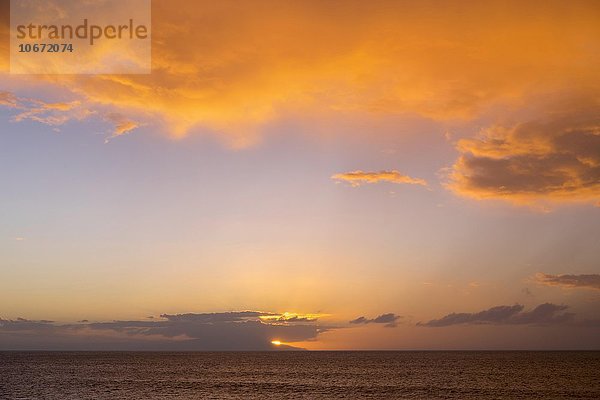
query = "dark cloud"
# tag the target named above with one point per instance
(360, 320)
(589, 323)
(544, 314)
(390, 319)
(553, 158)
(243, 330)
(497, 314)
(590, 281)
(25, 324)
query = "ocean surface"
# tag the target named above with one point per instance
(300, 375)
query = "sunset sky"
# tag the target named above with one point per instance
(327, 174)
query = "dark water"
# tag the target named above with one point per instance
(301, 375)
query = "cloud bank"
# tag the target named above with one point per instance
(544, 314)
(444, 61)
(243, 330)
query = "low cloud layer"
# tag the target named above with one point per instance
(390, 320)
(555, 158)
(544, 314)
(358, 178)
(244, 330)
(589, 281)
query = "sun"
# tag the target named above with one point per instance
(276, 342)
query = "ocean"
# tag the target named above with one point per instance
(300, 375)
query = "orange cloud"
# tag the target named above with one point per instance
(122, 125)
(4, 35)
(47, 113)
(357, 178)
(554, 158)
(53, 114)
(57, 114)
(231, 67)
(8, 100)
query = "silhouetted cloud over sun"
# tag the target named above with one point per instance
(243, 330)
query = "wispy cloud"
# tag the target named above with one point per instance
(358, 178)
(8, 100)
(56, 114)
(53, 114)
(48, 113)
(390, 320)
(589, 281)
(122, 125)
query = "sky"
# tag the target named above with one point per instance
(338, 175)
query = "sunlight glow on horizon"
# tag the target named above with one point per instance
(368, 166)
